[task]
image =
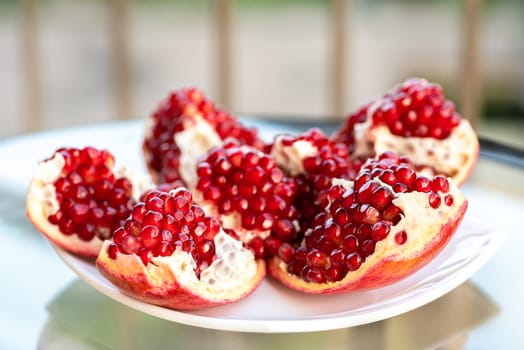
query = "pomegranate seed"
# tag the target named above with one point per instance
(315, 275)
(434, 200)
(353, 261)
(367, 248)
(422, 184)
(379, 231)
(130, 244)
(350, 243)
(257, 247)
(337, 257)
(286, 252)
(112, 250)
(271, 245)
(152, 218)
(164, 249)
(440, 184)
(150, 236)
(284, 230)
(448, 199)
(401, 237)
(334, 273)
(405, 175)
(316, 258)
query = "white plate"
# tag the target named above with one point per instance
(271, 308)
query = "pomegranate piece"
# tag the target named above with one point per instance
(248, 192)
(376, 230)
(169, 253)
(76, 199)
(184, 127)
(416, 120)
(312, 160)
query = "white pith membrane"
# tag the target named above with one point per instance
(194, 142)
(419, 220)
(41, 203)
(227, 276)
(453, 156)
(291, 157)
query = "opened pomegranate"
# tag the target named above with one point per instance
(76, 199)
(248, 192)
(377, 229)
(184, 127)
(414, 119)
(169, 253)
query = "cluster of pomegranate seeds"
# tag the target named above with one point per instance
(416, 108)
(346, 133)
(175, 114)
(240, 179)
(340, 239)
(330, 161)
(164, 222)
(92, 201)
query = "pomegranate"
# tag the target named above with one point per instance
(76, 199)
(414, 119)
(169, 253)
(377, 229)
(184, 127)
(248, 192)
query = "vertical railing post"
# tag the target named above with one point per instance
(223, 30)
(338, 62)
(121, 59)
(31, 71)
(470, 77)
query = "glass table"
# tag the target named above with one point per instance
(45, 305)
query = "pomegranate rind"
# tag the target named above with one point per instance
(73, 244)
(40, 199)
(158, 284)
(389, 263)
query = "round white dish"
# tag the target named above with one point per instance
(271, 308)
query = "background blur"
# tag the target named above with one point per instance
(75, 62)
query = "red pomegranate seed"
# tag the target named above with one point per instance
(337, 257)
(112, 250)
(440, 184)
(434, 200)
(379, 231)
(130, 244)
(448, 199)
(315, 275)
(257, 247)
(286, 252)
(422, 184)
(353, 261)
(317, 258)
(401, 237)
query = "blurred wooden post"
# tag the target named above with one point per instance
(338, 62)
(31, 70)
(223, 30)
(470, 84)
(121, 59)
